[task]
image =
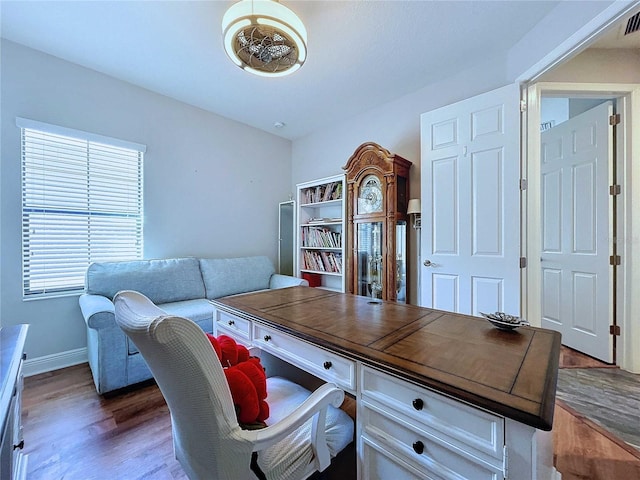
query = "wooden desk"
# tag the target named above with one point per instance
(400, 351)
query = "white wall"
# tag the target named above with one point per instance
(211, 185)
(395, 126)
(598, 66)
(0, 186)
(554, 110)
(538, 48)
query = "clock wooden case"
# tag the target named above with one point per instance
(377, 196)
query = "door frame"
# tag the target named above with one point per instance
(627, 307)
(628, 358)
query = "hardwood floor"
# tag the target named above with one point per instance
(582, 449)
(72, 433)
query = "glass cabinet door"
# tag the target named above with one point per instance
(370, 273)
(401, 262)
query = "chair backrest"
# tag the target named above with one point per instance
(206, 433)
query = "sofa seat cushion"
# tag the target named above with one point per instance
(162, 281)
(198, 310)
(228, 276)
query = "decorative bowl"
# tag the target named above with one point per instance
(504, 321)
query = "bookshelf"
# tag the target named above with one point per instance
(321, 232)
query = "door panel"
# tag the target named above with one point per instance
(445, 206)
(471, 204)
(577, 294)
(487, 202)
(445, 288)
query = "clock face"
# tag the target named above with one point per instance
(370, 195)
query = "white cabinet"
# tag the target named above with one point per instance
(235, 327)
(312, 359)
(315, 360)
(13, 462)
(321, 232)
(406, 426)
(408, 431)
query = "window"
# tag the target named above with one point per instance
(81, 203)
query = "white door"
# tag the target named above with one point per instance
(576, 284)
(471, 204)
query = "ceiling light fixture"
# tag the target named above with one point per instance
(264, 37)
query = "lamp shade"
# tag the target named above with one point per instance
(414, 206)
(264, 37)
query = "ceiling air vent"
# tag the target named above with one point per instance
(633, 25)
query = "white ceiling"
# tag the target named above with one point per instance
(361, 53)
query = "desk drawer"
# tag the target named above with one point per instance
(455, 422)
(310, 358)
(426, 453)
(236, 327)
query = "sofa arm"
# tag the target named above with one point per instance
(283, 281)
(98, 311)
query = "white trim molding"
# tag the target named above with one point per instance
(48, 363)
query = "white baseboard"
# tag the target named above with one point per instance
(47, 363)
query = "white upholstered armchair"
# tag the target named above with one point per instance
(304, 430)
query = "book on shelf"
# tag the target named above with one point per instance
(322, 193)
(330, 262)
(321, 237)
(337, 193)
(328, 266)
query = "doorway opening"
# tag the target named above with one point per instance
(578, 221)
(617, 321)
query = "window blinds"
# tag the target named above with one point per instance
(81, 203)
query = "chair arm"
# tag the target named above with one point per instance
(317, 402)
(92, 306)
(282, 281)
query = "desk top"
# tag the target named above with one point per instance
(511, 373)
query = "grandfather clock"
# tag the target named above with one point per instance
(377, 196)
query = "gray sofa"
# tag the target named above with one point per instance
(180, 286)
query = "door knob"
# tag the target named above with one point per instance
(427, 263)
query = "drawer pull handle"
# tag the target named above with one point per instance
(267, 338)
(418, 404)
(327, 365)
(231, 322)
(418, 447)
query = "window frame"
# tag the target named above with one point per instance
(88, 211)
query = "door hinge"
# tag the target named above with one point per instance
(614, 189)
(523, 262)
(523, 184)
(615, 260)
(614, 119)
(614, 330)
(523, 105)
(505, 462)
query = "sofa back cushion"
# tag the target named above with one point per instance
(228, 276)
(162, 281)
